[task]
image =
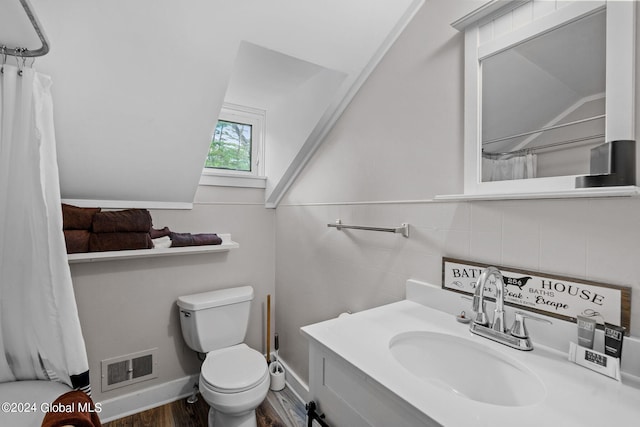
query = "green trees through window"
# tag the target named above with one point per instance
(230, 147)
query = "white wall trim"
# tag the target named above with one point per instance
(366, 202)
(127, 204)
(141, 400)
(228, 204)
(228, 180)
(590, 192)
(328, 121)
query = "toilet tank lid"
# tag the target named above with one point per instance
(216, 298)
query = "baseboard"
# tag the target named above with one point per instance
(161, 394)
(298, 386)
(141, 400)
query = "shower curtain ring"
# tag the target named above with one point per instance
(4, 57)
(24, 60)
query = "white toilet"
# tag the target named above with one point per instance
(234, 379)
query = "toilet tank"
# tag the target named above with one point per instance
(215, 319)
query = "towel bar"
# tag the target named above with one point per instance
(403, 229)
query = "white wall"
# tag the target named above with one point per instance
(129, 306)
(396, 146)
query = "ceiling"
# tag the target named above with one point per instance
(138, 86)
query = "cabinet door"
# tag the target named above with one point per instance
(350, 398)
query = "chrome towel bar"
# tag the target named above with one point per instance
(403, 229)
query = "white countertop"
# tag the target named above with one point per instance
(575, 396)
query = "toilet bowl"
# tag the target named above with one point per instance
(234, 378)
(234, 381)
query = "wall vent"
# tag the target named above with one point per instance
(129, 369)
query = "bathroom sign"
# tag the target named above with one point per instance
(551, 295)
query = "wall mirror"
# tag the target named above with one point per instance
(545, 82)
(543, 110)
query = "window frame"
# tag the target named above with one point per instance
(235, 178)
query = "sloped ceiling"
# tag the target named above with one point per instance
(138, 85)
(294, 93)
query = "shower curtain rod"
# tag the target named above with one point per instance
(23, 52)
(543, 147)
(533, 132)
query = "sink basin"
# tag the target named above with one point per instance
(467, 368)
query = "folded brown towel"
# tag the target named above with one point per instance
(134, 220)
(73, 408)
(76, 218)
(155, 233)
(188, 239)
(101, 242)
(77, 241)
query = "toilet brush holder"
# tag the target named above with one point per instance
(276, 371)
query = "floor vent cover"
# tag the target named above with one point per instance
(129, 369)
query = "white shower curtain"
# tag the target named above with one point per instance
(516, 167)
(40, 335)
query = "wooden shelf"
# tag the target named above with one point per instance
(227, 244)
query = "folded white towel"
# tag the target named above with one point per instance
(162, 242)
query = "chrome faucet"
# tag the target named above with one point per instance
(517, 337)
(478, 300)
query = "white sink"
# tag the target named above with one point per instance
(472, 370)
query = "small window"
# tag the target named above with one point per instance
(230, 147)
(236, 143)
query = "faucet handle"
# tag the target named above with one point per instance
(519, 329)
(479, 308)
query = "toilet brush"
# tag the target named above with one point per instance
(276, 362)
(276, 370)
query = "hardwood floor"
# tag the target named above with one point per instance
(288, 409)
(279, 409)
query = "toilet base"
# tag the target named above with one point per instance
(219, 419)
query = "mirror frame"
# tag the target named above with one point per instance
(620, 83)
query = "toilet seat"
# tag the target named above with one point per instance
(234, 369)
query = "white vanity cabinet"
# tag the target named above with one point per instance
(355, 399)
